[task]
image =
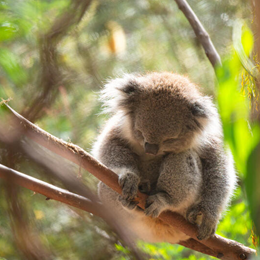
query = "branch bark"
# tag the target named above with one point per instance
(48, 190)
(219, 246)
(52, 192)
(200, 32)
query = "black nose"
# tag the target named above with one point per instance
(151, 148)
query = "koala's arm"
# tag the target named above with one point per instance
(218, 184)
(114, 152)
(178, 184)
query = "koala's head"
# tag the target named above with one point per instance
(165, 112)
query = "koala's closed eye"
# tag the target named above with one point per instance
(139, 134)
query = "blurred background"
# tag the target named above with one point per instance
(55, 56)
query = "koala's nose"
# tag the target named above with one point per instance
(151, 148)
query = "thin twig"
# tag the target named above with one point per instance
(200, 32)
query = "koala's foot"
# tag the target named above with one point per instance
(129, 183)
(208, 224)
(155, 204)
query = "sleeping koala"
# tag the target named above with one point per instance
(165, 139)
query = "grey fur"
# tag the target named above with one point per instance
(164, 137)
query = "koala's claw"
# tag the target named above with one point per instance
(208, 224)
(153, 206)
(129, 184)
(206, 230)
(127, 203)
(193, 213)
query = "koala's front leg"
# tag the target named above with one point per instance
(115, 153)
(178, 184)
(129, 183)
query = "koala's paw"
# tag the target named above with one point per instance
(129, 184)
(208, 224)
(154, 206)
(128, 203)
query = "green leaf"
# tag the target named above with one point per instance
(247, 40)
(11, 65)
(7, 30)
(252, 185)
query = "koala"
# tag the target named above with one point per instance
(164, 139)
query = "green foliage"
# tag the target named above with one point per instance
(241, 136)
(161, 250)
(115, 37)
(234, 111)
(252, 182)
(12, 68)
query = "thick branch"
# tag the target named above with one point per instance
(200, 32)
(226, 249)
(75, 200)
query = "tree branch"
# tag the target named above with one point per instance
(50, 76)
(49, 190)
(222, 248)
(74, 200)
(71, 199)
(200, 32)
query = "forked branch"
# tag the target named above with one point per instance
(219, 246)
(74, 200)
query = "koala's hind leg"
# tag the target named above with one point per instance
(178, 185)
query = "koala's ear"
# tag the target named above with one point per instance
(198, 110)
(129, 95)
(130, 87)
(120, 94)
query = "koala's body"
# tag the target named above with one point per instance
(165, 139)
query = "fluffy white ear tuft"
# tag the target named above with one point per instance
(208, 117)
(198, 110)
(120, 94)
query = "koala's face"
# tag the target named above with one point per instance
(166, 111)
(161, 129)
